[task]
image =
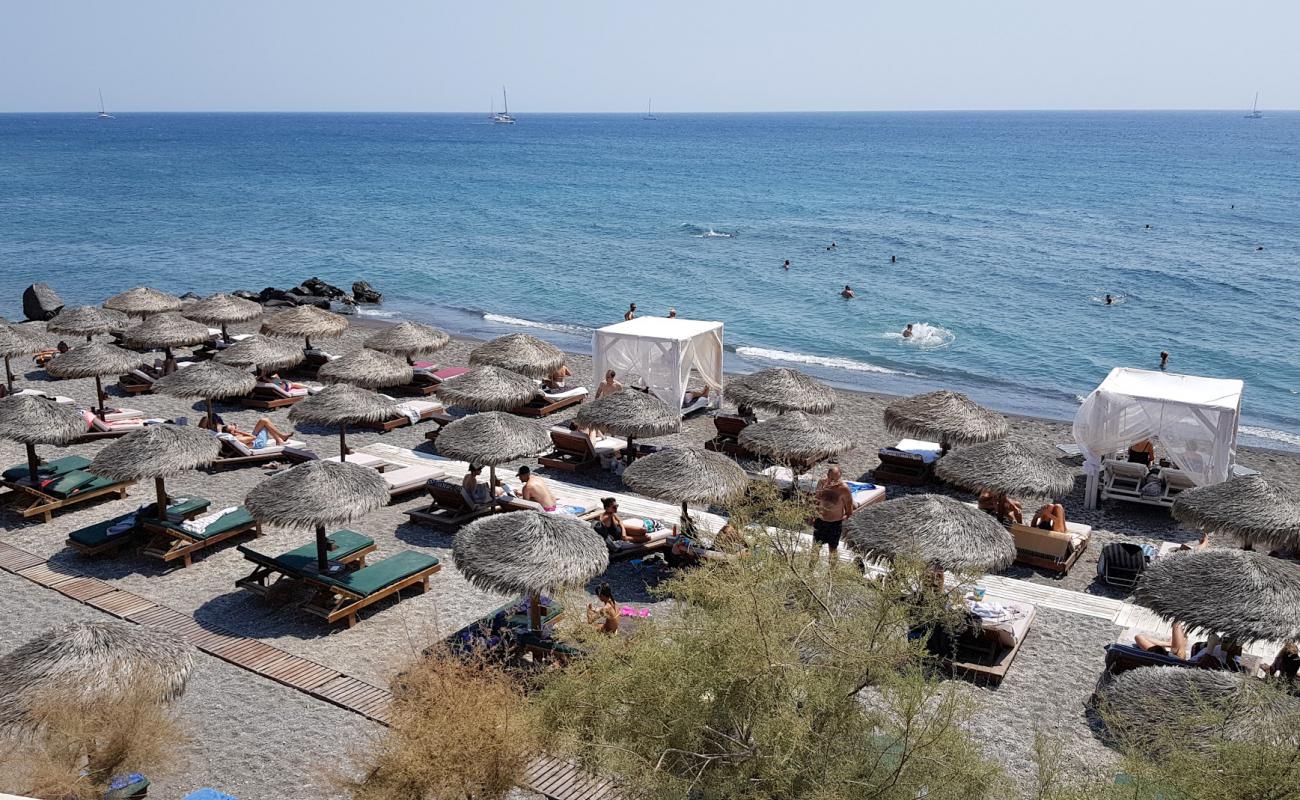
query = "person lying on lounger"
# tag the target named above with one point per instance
(284, 384)
(639, 531)
(1050, 517)
(555, 381)
(999, 505)
(694, 394)
(1216, 653)
(263, 433)
(605, 616)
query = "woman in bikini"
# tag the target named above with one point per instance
(263, 433)
(1050, 517)
(605, 616)
(639, 531)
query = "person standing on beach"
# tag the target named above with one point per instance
(608, 386)
(672, 313)
(834, 505)
(631, 313)
(1164, 359)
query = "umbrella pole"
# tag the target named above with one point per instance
(343, 442)
(492, 488)
(99, 395)
(535, 612)
(630, 455)
(307, 342)
(322, 549)
(686, 528)
(225, 337)
(33, 463)
(9, 376)
(160, 487)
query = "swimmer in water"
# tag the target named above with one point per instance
(893, 259)
(1148, 225)
(1109, 300)
(907, 332)
(831, 246)
(786, 265)
(847, 294)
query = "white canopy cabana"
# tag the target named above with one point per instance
(1194, 418)
(662, 352)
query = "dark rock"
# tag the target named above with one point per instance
(190, 296)
(279, 304)
(41, 303)
(307, 300)
(319, 288)
(343, 307)
(247, 295)
(363, 292)
(272, 293)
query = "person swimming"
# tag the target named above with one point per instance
(830, 246)
(1109, 300)
(907, 332)
(786, 265)
(893, 259)
(847, 294)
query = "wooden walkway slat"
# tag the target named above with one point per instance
(120, 603)
(84, 589)
(13, 559)
(42, 574)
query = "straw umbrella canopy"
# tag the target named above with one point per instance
(87, 321)
(933, 529)
(155, 451)
(1021, 468)
(165, 331)
(630, 414)
(528, 552)
(1242, 595)
(492, 438)
(305, 322)
(343, 405)
(369, 369)
(1251, 508)
(519, 352)
(488, 389)
(207, 381)
(94, 360)
(223, 309)
(86, 663)
(797, 438)
(261, 354)
(15, 343)
(31, 420)
(143, 301)
(781, 390)
(686, 475)
(408, 339)
(318, 494)
(948, 417)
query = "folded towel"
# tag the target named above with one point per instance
(199, 525)
(409, 412)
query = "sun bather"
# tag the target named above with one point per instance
(605, 616)
(692, 395)
(1143, 452)
(608, 386)
(263, 433)
(555, 381)
(1050, 517)
(639, 531)
(1287, 663)
(535, 490)
(476, 491)
(1000, 506)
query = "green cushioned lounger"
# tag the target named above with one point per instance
(377, 576)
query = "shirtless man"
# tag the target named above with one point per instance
(847, 294)
(907, 332)
(834, 505)
(535, 489)
(608, 386)
(630, 314)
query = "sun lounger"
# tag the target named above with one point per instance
(986, 657)
(727, 438)
(908, 463)
(268, 395)
(235, 453)
(1122, 480)
(1050, 550)
(422, 410)
(119, 423)
(364, 460)
(141, 379)
(864, 494)
(573, 508)
(57, 398)
(346, 547)
(449, 509)
(342, 596)
(547, 403)
(59, 466)
(111, 534)
(425, 379)
(57, 490)
(574, 450)
(313, 359)
(407, 479)
(170, 541)
(1122, 563)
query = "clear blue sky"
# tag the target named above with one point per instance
(610, 55)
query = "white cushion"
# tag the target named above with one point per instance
(361, 459)
(280, 390)
(408, 477)
(566, 394)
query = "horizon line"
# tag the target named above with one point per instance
(658, 112)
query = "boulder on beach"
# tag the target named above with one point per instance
(244, 294)
(271, 293)
(41, 303)
(190, 296)
(363, 292)
(307, 300)
(319, 288)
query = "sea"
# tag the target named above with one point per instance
(998, 236)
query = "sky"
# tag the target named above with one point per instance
(612, 55)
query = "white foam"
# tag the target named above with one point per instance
(375, 312)
(712, 234)
(502, 319)
(924, 336)
(821, 361)
(1115, 299)
(1291, 439)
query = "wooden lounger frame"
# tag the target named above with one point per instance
(423, 384)
(903, 469)
(1045, 561)
(115, 543)
(445, 511)
(568, 458)
(134, 384)
(170, 544)
(264, 398)
(998, 662)
(46, 504)
(544, 408)
(259, 580)
(334, 603)
(238, 459)
(402, 421)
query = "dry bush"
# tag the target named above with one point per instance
(460, 728)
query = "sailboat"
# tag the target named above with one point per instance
(648, 113)
(1255, 113)
(504, 117)
(102, 113)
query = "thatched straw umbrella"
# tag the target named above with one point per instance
(1251, 508)
(947, 417)
(369, 369)
(305, 322)
(94, 360)
(343, 405)
(408, 339)
(797, 438)
(143, 301)
(488, 389)
(519, 352)
(1021, 468)
(318, 494)
(207, 381)
(630, 414)
(261, 354)
(528, 552)
(1242, 595)
(492, 438)
(781, 390)
(1197, 707)
(686, 475)
(165, 331)
(87, 663)
(31, 420)
(87, 321)
(933, 529)
(155, 451)
(15, 343)
(223, 309)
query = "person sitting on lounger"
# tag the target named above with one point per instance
(1175, 645)
(608, 386)
(693, 395)
(535, 490)
(1000, 506)
(1050, 517)
(605, 616)
(555, 381)
(476, 491)
(1152, 484)
(263, 433)
(638, 531)
(1142, 453)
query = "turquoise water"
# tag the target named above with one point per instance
(1008, 229)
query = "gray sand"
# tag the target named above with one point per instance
(1059, 661)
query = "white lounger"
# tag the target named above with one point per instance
(410, 478)
(269, 450)
(863, 493)
(57, 398)
(361, 459)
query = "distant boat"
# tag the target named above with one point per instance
(102, 113)
(504, 117)
(648, 113)
(1255, 113)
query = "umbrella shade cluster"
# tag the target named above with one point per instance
(31, 420)
(944, 416)
(488, 389)
(686, 475)
(408, 339)
(492, 438)
(519, 352)
(223, 309)
(367, 368)
(94, 360)
(796, 437)
(87, 321)
(15, 343)
(166, 330)
(143, 301)
(262, 354)
(932, 529)
(1017, 468)
(343, 405)
(781, 390)
(155, 451)
(90, 662)
(207, 380)
(305, 322)
(629, 413)
(1251, 508)
(1242, 595)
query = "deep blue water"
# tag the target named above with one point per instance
(1008, 229)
